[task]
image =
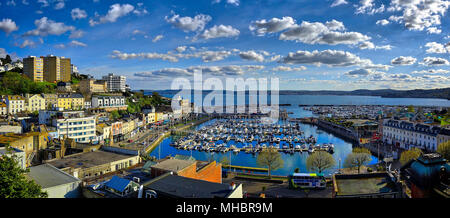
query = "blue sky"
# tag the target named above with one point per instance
(307, 44)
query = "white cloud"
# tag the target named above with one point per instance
(371, 46)
(181, 49)
(206, 56)
(219, 32)
(231, 2)
(434, 30)
(383, 22)
(261, 27)
(157, 38)
(319, 33)
(78, 13)
(115, 12)
(438, 48)
(76, 34)
(75, 43)
(328, 57)
(286, 68)
(45, 27)
(431, 71)
(27, 43)
(189, 24)
(368, 7)
(434, 61)
(403, 60)
(44, 3)
(60, 4)
(338, 2)
(251, 55)
(230, 70)
(7, 25)
(419, 14)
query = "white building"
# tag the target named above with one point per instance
(407, 135)
(15, 103)
(19, 154)
(80, 128)
(115, 83)
(102, 101)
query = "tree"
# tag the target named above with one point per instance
(7, 59)
(115, 115)
(297, 170)
(411, 109)
(320, 161)
(444, 150)
(13, 182)
(359, 157)
(271, 158)
(224, 161)
(410, 154)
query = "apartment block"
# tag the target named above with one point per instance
(93, 86)
(57, 68)
(34, 102)
(115, 83)
(15, 104)
(33, 67)
(80, 128)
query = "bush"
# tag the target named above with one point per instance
(369, 170)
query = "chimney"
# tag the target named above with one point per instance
(232, 186)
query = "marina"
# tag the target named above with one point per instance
(250, 136)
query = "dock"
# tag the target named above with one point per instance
(255, 169)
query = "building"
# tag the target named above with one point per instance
(427, 176)
(57, 69)
(66, 69)
(46, 116)
(173, 186)
(34, 102)
(201, 170)
(93, 86)
(103, 133)
(73, 101)
(20, 155)
(370, 185)
(30, 143)
(63, 86)
(55, 182)
(3, 109)
(51, 100)
(17, 129)
(406, 135)
(115, 83)
(121, 187)
(79, 127)
(443, 136)
(92, 164)
(15, 104)
(109, 102)
(33, 67)
(74, 69)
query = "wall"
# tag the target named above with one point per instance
(70, 190)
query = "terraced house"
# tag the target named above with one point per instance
(73, 101)
(15, 104)
(34, 102)
(407, 135)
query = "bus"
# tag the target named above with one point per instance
(307, 180)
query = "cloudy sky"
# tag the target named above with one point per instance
(307, 44)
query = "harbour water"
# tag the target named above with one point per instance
(298, 160)
(291, 161)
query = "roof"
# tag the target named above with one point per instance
(15, 97)
(4, 151)
(118, 183)
(183, 187)
(48, 176)
(173, 165)
(362, 184)
(89, 159)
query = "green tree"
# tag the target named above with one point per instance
(270, 158)
(320, 161)
(297, 170)
(444, 150)
(359, 157)
(224, 161)
(411, 109)
(410, 154)
(115, 115)
(13, 182)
